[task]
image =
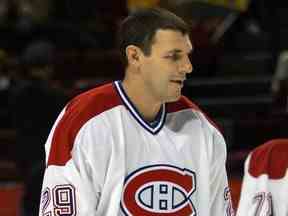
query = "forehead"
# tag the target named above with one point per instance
(169, 40)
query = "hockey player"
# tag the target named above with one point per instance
(137, 147)
(265, 183)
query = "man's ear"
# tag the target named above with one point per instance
(133, 54)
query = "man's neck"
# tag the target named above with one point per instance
(145, 104)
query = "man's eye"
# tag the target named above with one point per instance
(174, 57)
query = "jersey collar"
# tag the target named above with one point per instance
(152, 128)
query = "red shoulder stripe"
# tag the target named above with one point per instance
(185, 103)
(181, 104)
(271, 158)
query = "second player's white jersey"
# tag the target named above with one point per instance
(265, 183)
(104, 159)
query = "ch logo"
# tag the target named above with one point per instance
(159, 190)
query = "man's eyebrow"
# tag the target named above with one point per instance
(175, 51)
(178, 51)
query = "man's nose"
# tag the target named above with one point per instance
(187, 66)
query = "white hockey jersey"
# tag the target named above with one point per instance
(265, 183)
(104, 159)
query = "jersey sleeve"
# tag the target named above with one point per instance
(68, 189)
(70, 185)
(220, 203)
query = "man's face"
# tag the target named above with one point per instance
(165, 69)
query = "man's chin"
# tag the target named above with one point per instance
(173, 98)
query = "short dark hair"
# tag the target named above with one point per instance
(139, 28)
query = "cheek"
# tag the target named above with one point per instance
(158, 72)
(148, 67)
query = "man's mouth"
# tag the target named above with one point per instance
(180, 82)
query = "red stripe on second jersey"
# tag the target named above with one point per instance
(271, 158)
(78, 112)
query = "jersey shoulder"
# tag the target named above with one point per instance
(269, 158)
(77, 113)
(184, 103)
(90, 104)
(96, 100)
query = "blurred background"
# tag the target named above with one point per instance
(52, 50)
